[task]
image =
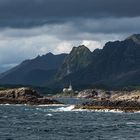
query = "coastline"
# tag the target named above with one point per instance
(124, 106)
(93, 99)
(25, 96)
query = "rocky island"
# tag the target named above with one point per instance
(24, 96)
(126, 101)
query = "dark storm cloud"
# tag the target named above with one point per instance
(28, 13)
(32, 27)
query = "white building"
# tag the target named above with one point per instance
(68, 89)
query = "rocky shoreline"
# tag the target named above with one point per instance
(123, 100)
(126, 101)
(24, 96)
(125, 106)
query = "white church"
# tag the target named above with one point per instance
(70, 89)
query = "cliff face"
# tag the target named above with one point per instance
(80, 57)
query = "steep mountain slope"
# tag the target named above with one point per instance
(135, 38)
(79, 58)
(116, 65)
(35, 72)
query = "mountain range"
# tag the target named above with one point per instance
(117, 65)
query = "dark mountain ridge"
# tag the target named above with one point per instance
(116, 65)
(35, 71)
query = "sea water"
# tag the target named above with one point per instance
(23, 122)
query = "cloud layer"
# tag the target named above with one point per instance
(28, 13)
(32, 27)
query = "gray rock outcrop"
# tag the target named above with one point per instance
(24, 96)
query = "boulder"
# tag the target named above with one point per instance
(94, 93)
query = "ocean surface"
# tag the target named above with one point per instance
(21, 122)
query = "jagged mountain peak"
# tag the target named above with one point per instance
(78, 58)
(80, 48)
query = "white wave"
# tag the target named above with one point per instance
(66, 108)
(5, 116)
(99, 110)
(39, 109)
(5, 104)
(14, 104)
(49, 115)
(133, 123)
(109, 110)
(63, 109)
(137, 112)
(33, 105)
(71, 108)
(51, 105)
(35, 113)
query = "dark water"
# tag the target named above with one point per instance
(60, 123)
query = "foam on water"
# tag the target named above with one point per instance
(133, 123)
(37, 122)
(49, 115)
(101, 110)
(14, 105)
(63, 109)
(52, 105)
(108, 110)
(5, 116)
(5, 104)
(71, 108)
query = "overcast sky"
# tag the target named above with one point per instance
(32, 27)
